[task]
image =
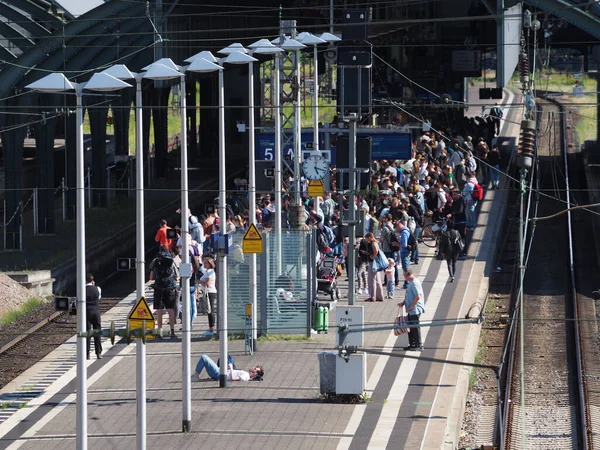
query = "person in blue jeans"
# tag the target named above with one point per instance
(213, 371)
(414, 302)
(404, 253)
(494, 158)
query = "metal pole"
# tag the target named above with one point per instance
(107, 185)
(316, 100)
(81, 436)
(331, 16)
(4, 223)
(222, 267)
(276, 99)
(21, 226)
(352, 213)
(64, 199)
(140, 347)
(521, 307)
(89, 187)
(252, 196)
(35, 211)
(297, 130)
(185, 262)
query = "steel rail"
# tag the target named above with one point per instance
(584, 416)
(45, 321)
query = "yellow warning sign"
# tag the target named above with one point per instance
(141, 311)
(139, 314)
(252, 234)
(316, 188)
(252, 241)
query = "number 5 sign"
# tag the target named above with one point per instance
(265, 146)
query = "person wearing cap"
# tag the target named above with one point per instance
(208, 280)
(468, 143)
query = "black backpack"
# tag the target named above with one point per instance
(164, 272)
(412, 240)
(322, 240)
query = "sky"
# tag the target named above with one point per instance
(78, 7)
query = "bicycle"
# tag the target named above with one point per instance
(432, 233)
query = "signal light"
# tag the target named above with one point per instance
(124, 264)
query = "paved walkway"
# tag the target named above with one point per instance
(413, 402)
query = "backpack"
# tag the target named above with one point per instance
(477, 193)
(411, 241)
(457, 241)
(164, 272)
(393, 240)
(322, 241)
(449, 200)
(446, 243)
(412, 224)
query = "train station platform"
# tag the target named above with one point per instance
(412, 402)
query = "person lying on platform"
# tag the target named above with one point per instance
(212, 369)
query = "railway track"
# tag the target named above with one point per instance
(32, 338)
(559, 369)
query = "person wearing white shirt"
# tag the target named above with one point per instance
(213, 371)
(208, 281)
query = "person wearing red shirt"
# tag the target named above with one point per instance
(161, 235)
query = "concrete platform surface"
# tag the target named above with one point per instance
(413, 402)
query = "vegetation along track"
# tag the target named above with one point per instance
(560, 348)
(41, 332)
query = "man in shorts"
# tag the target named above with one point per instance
(164, 271)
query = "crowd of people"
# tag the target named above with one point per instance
(442, 182)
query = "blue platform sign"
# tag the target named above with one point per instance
(384, 145)
(265, 146)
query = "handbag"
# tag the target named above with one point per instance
(379, 263)
(205, 302)
(400, 323)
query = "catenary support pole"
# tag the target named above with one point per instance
(81, 421)
(297, 131)
(316, 99)
(276, 99)
(140, 275)
(252, 196)
(352, 212)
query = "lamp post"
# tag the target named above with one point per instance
(311, 39)
(165, 69)
(204, 65)
(57, 82)
(159, 72)
(237, 54)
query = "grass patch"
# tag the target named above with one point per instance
(11, 316)
(284, 338)
(479, 359)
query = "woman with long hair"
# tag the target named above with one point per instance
(373, 278)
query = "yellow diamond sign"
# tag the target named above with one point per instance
(252, 241)
(139, 313)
